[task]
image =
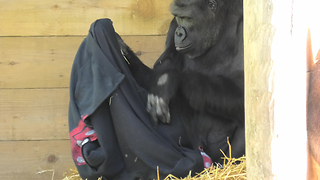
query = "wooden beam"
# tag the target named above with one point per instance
(61, 17)
(259, 79)
(45, 62)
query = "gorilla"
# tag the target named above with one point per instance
(200, 75)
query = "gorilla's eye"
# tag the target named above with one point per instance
(212, 4)
(186, 18)
(183, 19)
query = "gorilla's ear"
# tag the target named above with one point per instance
(212, 5)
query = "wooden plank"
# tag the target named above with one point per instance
(42, 62)
(35, 160)
(148, 48)
(37, 61)
(259, 80)
(61, 17)
(34, 114)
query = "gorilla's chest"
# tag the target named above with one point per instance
(209, 67)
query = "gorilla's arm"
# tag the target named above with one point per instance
(217, 95)
(141, 73)
(144, 75)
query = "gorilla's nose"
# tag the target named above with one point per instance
(180, 33)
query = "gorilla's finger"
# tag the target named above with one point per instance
(154, 118)
(151, 100)
(151, 109)
(159, 110)
(165, 111)
(153, 115)
(122, 44)
(157, 106)
(149, 103)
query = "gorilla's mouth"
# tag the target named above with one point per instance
(184, 48)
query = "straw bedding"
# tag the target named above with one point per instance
(233, 169)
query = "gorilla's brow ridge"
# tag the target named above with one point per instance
(182, 11)
(184, 3)
(180, 4)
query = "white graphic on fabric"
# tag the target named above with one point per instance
(207, 165)
(79, 142)
(90, 133)
(85, 141)
(205, 154)
(80, 160)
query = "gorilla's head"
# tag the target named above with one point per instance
(201, 23)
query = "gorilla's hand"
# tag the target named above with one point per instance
(158, 109)
(124, 48)
(159, 97)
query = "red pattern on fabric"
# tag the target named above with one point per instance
(78, 137)
(207, 162)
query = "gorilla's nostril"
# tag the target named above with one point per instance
(181, 33)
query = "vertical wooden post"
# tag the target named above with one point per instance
(275, 90)
(259, 80)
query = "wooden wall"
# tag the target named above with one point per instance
(38, 42)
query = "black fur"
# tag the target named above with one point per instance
(203, 63)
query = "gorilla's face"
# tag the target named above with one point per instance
(199, 25)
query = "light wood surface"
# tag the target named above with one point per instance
(45, 62)
(35, 160)
(34, 114)
(73, 17)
